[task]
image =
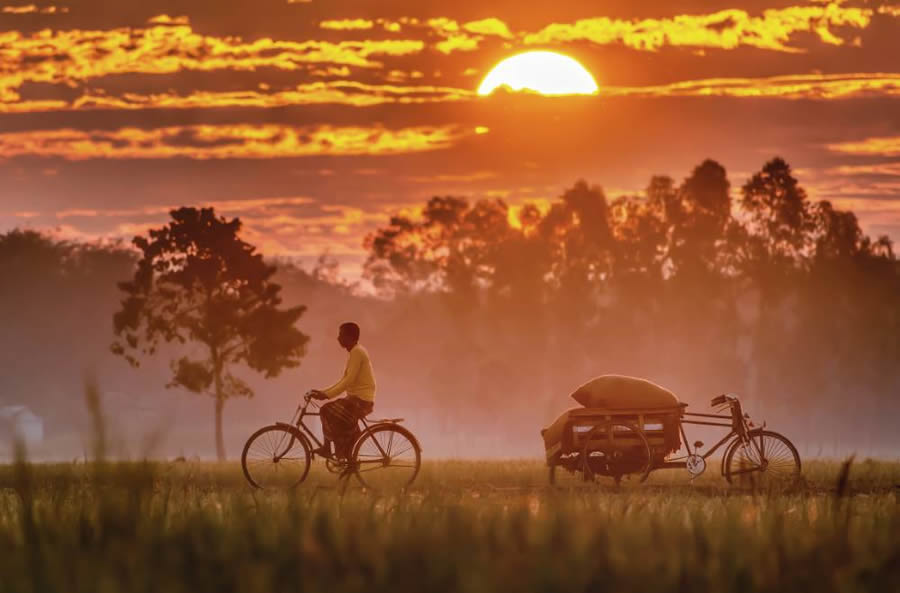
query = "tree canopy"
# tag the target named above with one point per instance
(197, 282)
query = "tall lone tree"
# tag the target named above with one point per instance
(198, 282)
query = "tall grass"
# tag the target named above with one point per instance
(467, 526)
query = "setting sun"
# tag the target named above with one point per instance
(544, 72)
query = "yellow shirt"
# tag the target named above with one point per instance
(358, 379)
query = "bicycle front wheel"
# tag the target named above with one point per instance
(385, 457)
(275, 457)
(767, 460)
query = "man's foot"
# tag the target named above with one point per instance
(323, 451)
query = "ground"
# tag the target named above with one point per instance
(464, 526)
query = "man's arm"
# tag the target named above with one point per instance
(353, 365)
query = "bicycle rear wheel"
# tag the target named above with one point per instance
(616, 450)
(386, 457)
(274, 457)
(567, 473)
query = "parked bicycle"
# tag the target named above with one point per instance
(384, 455)
(619, 443)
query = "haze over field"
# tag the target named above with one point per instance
(330, 127)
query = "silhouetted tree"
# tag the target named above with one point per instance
(700, 220)
(779, 215)
(197, 281)
(449, 248)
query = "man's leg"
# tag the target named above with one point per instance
(326, 415)
(356, 410)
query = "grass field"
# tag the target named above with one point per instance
(465, 526)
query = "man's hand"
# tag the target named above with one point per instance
(316, 394)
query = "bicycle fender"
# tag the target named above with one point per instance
(296, 432)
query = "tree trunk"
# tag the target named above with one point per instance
(220, 439)
(220, 406)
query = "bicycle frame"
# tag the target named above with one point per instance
(737, 423)
(297, 421)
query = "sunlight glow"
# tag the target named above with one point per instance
(544, 72)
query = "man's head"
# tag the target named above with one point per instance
(348, 335)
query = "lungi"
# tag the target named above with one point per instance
(340, 421)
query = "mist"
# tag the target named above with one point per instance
(482, 318)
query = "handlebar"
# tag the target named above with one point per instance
(311, 394)
(725, 398)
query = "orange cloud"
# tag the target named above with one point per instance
(463, 178)
(32, 9)
(457, 42)
(23, 9)
(488, 26)
(442, 25)
(227, 142)
(358, 94)
(165, 19)
(886, 169)
(801, 86)
(342, 92)
(878, 146)
(260, 205)
(726, 29)
(347, 24)
(73, 56)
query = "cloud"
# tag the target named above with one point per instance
(338, 92)
(259, 205)
(876, 146)
(358, 94)
(165, 19)
(726, 29)
(799, 86)
(286, 226)
(489, 26)
(442, 25)
(32, 9)
(457, 42)
(454, 178)
(228, 142)
(880, 169)
(347, 24)
(73, 56)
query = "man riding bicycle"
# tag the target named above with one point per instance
(340, 418)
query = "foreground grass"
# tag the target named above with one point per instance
(466, 526)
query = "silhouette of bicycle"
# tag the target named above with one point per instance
(384, 456)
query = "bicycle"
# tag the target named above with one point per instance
(383, 455)
(620, 443)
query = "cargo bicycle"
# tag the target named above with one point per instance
(617, 444)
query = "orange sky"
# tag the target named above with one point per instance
(314, 120)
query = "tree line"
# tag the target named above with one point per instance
(487, 312)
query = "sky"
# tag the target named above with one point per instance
(315, 120)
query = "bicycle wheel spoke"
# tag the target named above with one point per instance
(403, 451)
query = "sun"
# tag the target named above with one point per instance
(544, 72)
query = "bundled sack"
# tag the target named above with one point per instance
(558, 436)
(618, 392)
